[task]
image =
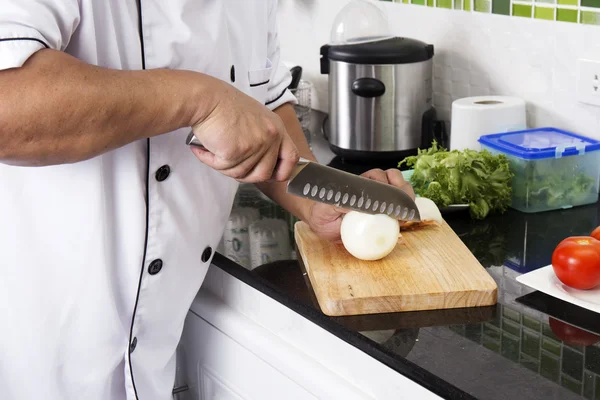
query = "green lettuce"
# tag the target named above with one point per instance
(477, 178)
(553, 183)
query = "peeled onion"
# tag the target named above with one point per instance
(369, 237)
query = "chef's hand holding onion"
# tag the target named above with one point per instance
(325, 220)
(366, 236)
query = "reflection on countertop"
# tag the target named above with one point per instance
(511, 350)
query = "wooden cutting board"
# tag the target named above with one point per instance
(432, 269)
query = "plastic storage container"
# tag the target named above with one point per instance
(552, 169)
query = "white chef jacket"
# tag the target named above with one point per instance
(101, 259)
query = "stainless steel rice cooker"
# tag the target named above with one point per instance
(380, 98)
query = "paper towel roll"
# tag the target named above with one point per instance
(482, 115)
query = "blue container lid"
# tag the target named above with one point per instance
(540, 143)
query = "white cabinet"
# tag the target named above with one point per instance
(218, 368)
(239, 344)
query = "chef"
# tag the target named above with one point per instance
(108, 220)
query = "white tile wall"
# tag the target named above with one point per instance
(476, 54)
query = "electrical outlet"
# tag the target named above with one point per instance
(588, 81)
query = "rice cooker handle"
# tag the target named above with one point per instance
(325, 59)
(368, 87)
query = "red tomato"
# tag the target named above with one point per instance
(576, 262)
(571, 334)
(596, 233)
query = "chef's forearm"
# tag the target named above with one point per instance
(276, 190)
(56, 109)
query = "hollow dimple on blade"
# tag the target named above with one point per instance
(345, 190)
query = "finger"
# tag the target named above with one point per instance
(219, 163)
(205, 156)
(396, 178)
(407, 187)
(288, 159)
(241, 157)
(211, 128)
(264, 168)
(376, 175)
(341, 210)
(242, 172)
(327, 212)
(237, 171)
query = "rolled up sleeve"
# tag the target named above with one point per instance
(281, 77)
(27, 26)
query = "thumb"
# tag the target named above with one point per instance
(288, 158)
(341, 210)
(326, 212)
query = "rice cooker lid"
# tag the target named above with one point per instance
(395, 50)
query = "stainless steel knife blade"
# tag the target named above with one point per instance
(342, 189)
(352, 192)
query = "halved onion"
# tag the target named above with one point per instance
(430, 215)
(429, 210)
(369, 237)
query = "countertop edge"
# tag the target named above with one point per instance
(408, 369)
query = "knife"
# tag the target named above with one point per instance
(341, 189)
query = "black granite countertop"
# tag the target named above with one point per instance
(511, 350)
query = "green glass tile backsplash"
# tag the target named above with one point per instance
(531, 323)
(482, 5)
(551, 346)
(590, 3)
(510, 347)
(566, 15)
(572, 364)
(501, 7)
(590, 18)
(571, 384)
(588, 386)
(521, 10)
(544, 13)
(491, 331)
(531, 364)
(509, 313)
(530, 343)
(572, 11)
(550, 367)
(592, 359)
(511, 327)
